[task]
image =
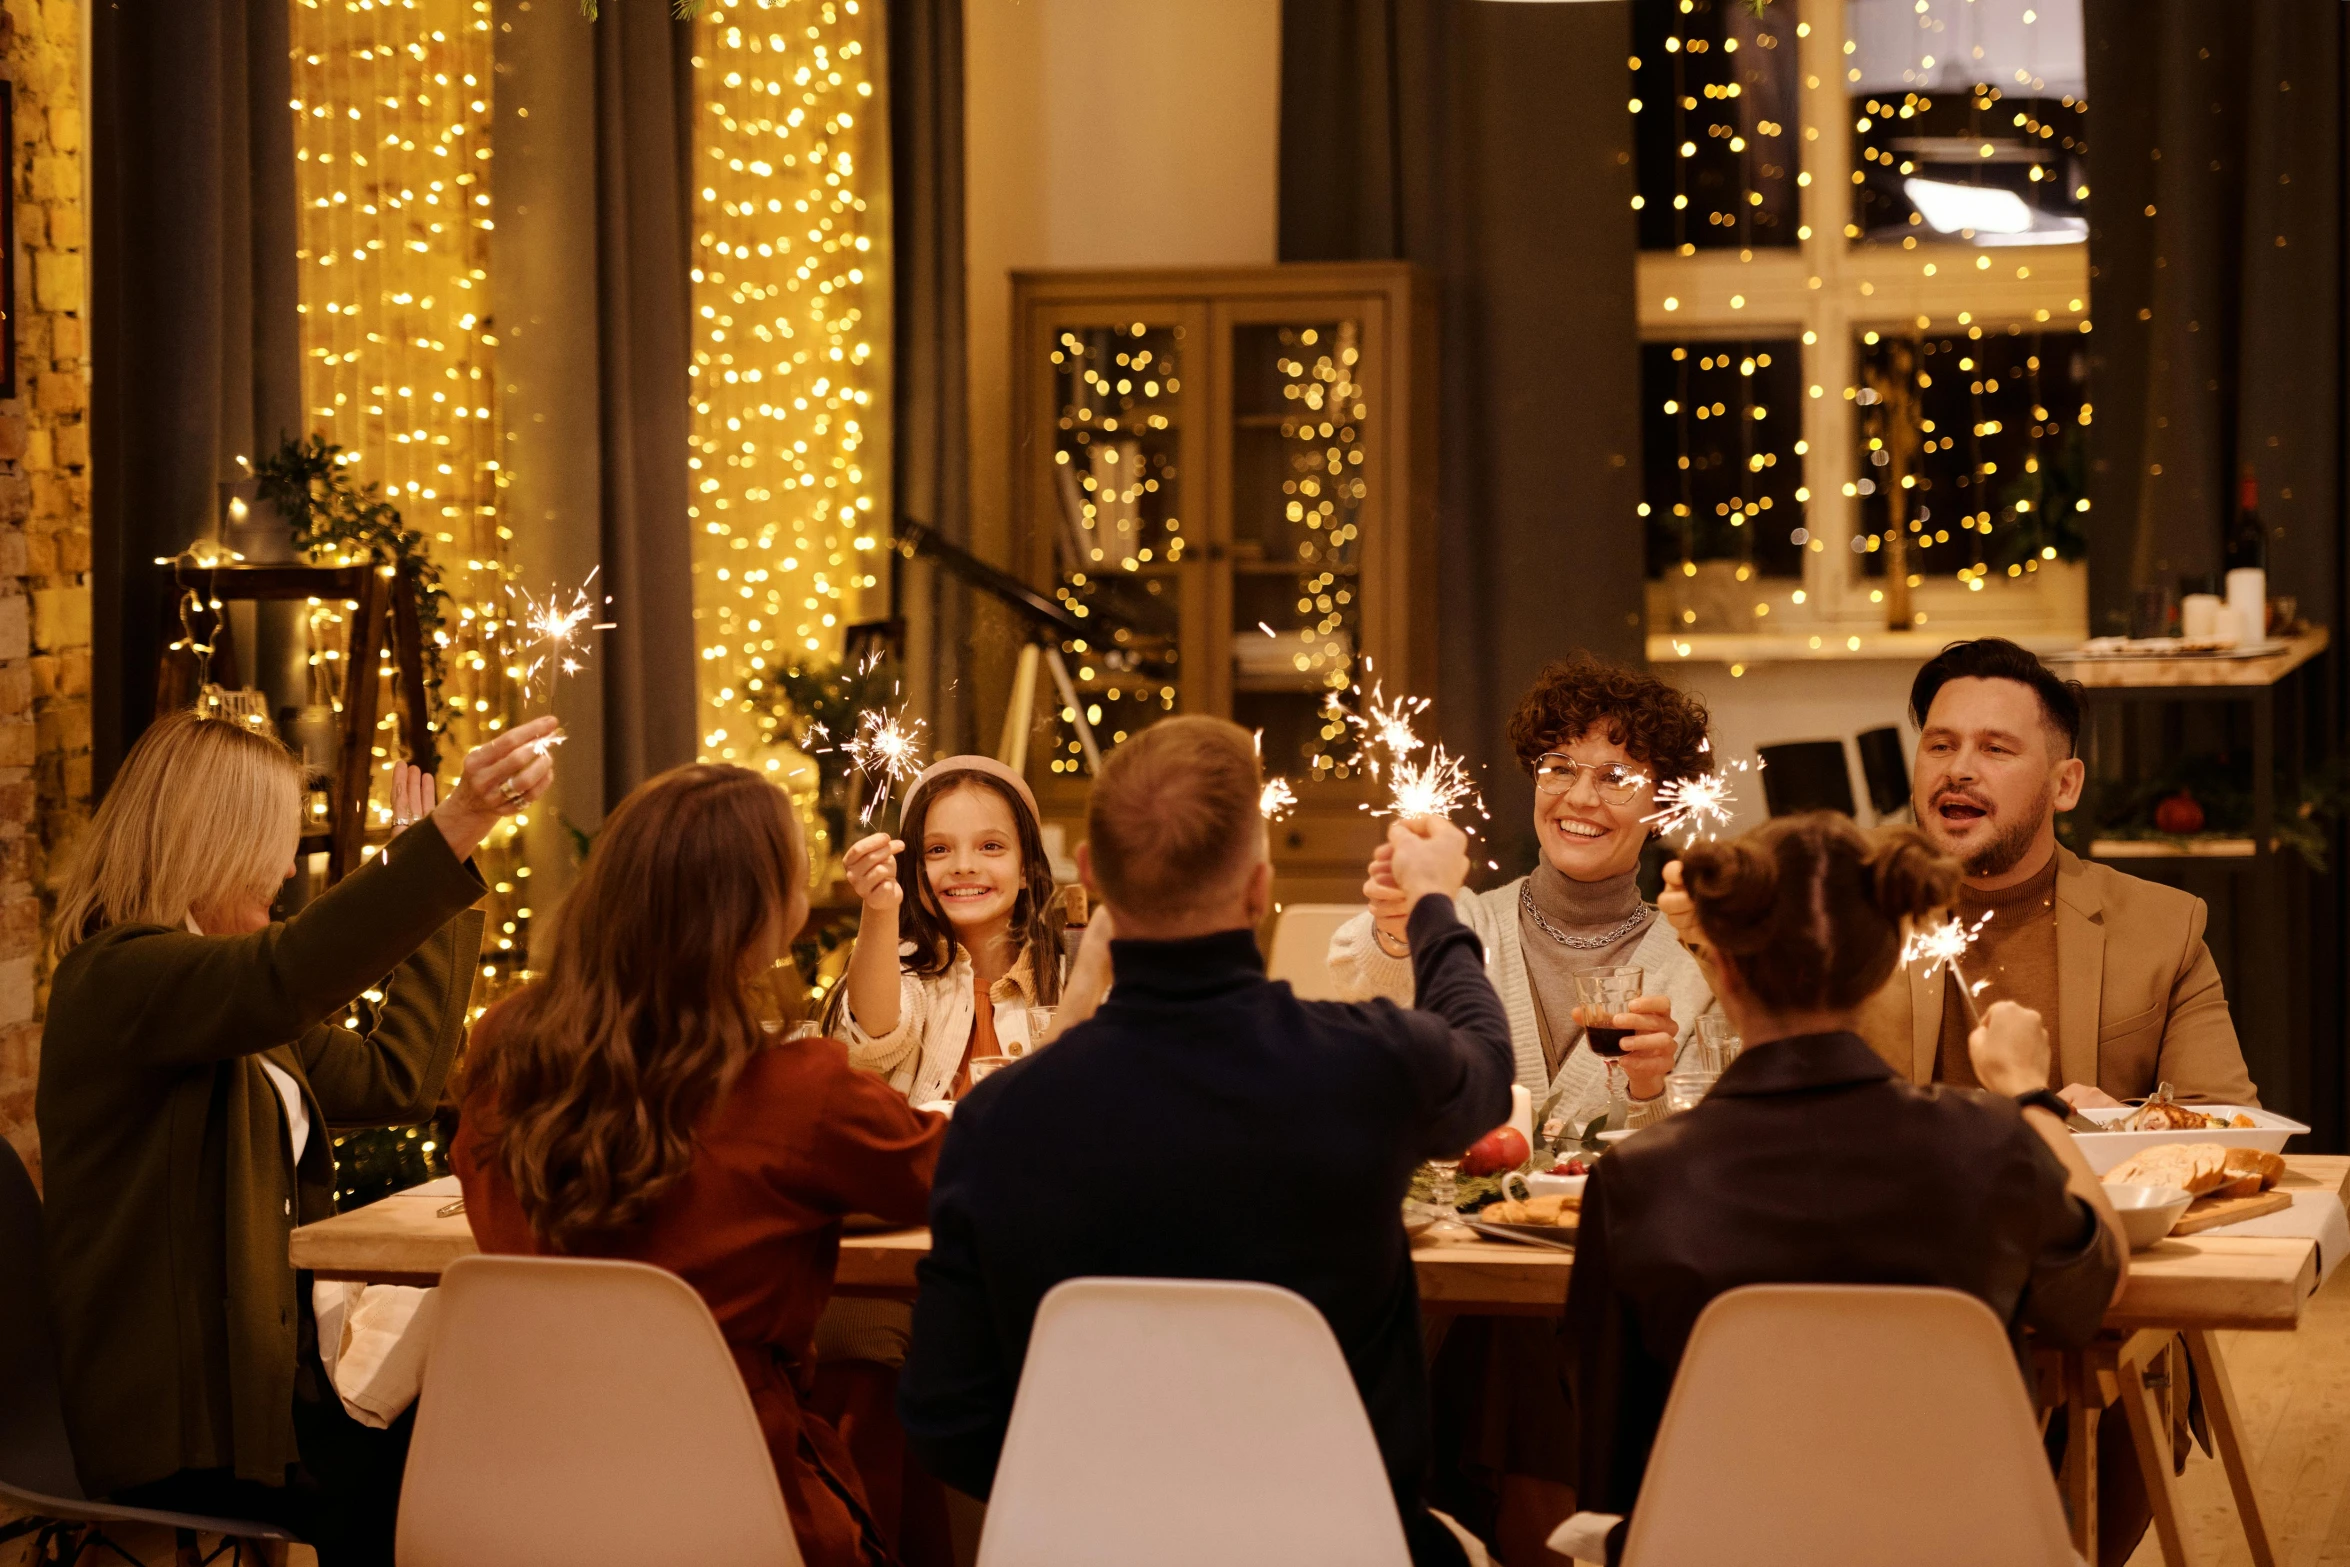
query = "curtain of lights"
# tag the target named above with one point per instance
(392, 166)
(790, 455)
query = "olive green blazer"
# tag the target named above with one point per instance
(170, 1179)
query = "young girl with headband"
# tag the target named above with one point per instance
(959, 936)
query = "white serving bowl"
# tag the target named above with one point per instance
(2104, 1150)
(2147, 1212)
(1548, 1185)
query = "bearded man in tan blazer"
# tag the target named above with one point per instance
(2115, 965)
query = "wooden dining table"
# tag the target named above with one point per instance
(2189, 1287)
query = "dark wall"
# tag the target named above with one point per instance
(1489, 143)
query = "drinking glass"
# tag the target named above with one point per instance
(1040, 1024)
(1600, 994)
(1683, 1090)
(982, 1066)
(1718, 1044)
(1445, 1197)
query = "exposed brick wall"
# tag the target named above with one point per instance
(44, 532)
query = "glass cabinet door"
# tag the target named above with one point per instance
(1117, 512)
(1300, 501)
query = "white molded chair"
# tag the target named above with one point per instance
(1301, 947)
(1171, 1422)
(1823, 1425)
(586, 1413)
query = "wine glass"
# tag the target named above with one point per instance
(1444, 1195)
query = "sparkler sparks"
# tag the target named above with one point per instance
(1277, 799)
(1698, 806)
(554, 627)
(1437, 784)
(887, 749)
(1941, 946)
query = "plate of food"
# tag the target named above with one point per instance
(1538, 1221)
(2162, 1120)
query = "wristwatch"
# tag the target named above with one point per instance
(2045, 1099)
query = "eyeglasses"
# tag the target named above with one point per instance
(1615, 782)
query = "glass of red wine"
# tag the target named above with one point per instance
(1601, 996)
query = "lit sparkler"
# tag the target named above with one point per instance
(1437, 784)
(887, 749)
(1277, 799)
(554, 626)
(1698, 806)
(1941, 946)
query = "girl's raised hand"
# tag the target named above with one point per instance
(872, 867)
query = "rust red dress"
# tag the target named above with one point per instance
(801, 1140)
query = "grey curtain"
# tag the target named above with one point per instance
(2216, 212)
(2220, 267)
(1489, 143)
(194, 341)
(644, 210)
(930, 458)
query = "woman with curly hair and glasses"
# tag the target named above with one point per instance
(1598, 739)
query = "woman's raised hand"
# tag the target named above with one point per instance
(872, 866)
(1651, 1046)
(499, 779)
(412, 795)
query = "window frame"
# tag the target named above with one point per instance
(1834, 288)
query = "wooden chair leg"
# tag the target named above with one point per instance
(2227, 1434)
(2150, 1434)
(2082, 1407)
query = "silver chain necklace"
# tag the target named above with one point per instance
(1580, 943)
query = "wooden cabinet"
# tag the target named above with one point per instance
(1232, 472)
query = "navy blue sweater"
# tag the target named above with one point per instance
(1205, 1123)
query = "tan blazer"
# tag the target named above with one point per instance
(2140, 1000)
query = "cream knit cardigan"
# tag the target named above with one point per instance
(1363, 971)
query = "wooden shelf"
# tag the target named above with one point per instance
(2172, 849)
(2128, 671)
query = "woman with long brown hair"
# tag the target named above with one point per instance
(643, 1101)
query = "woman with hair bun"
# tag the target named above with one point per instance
(1812, 1161)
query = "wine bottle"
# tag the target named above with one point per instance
(2247, 544)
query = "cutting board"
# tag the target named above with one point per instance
(2210, 1212)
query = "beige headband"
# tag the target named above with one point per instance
(948, 766)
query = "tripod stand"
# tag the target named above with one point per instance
(1047, 623)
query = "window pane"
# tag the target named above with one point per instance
(1714, 119)
(1722, 454)
(1988, 435)
(1970, 121)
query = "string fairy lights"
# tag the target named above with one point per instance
(789, 458)
(391, 109)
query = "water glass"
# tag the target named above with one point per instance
(1683, 1090)
(1718, 1045)
(1600, 994)
(984, 1066)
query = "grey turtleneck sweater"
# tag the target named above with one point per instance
(1584, 910)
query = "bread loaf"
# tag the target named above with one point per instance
(2270, 1167)
(2194, 1168)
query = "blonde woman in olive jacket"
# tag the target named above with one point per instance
(195, 1059)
